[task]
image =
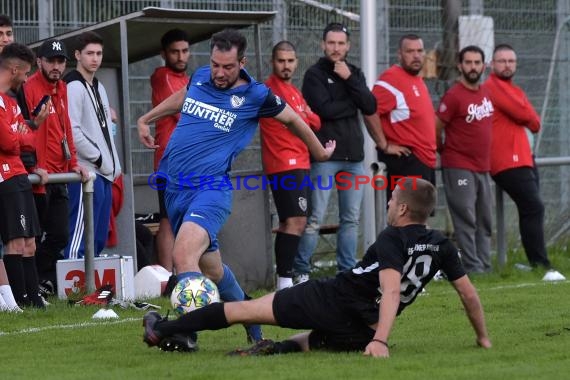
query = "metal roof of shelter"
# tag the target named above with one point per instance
(144, 29)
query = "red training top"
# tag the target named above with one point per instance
(56, 127)
(12, 141)
(406, 112)
(467, 115)
(165, 82)
(281, 150)
(513, 113)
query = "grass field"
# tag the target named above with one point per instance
(528, 321)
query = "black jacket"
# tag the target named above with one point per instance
(337, 102)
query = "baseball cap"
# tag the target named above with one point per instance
(335, 27)
(52, 48)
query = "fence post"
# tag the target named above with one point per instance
(501, 236)
(89, 235)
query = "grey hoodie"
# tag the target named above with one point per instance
(94, 143)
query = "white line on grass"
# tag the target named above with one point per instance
(65, 327)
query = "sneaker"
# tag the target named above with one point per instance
(47, 288)
(439, 276)
(151, 336)
(553, 275)
(180, 343)
(253, 333)
(523, 267)
(301, 278)
(261, 348)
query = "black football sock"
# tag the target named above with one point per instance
(15, 272)
(32, 282)
(286, 246)
(210, 317)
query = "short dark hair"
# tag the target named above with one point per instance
(173, 35)
(420, 197)
(87, 38)
(282, 46)
(16, 51)
(335, 27)
(410, 36)
(470, 49)
(5, 20)
(228, 39)
(501, 47)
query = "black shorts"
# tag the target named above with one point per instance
(313, 305)
(161, 205)
(406, 166)
(19, 216)
(290, 195)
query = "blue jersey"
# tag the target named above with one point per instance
(214, 127)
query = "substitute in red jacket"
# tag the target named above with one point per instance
(165, 81)
(286, 162)
(55, 153)
(512, 166)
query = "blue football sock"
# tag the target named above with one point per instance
(182, 276)
(228, 286)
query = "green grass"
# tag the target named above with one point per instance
(528, 322)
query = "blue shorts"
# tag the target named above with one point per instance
(207, 208)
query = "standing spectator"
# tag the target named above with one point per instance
(465, 114)
(165, 81)
(406, 114)
(512, 164)
(285, 156)
(55, 152)
(6, 32)
(19, 224)
(90, 117)
(336, 90)
(216, 124)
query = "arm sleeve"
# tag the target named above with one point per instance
(385, 99)
(317, 94)
(272, 106)
(359, 92)
(9, 141)
(514, 104)
(78, 100)
(451, 263)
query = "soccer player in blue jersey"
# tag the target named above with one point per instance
(220, 110)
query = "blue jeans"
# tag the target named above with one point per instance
(323, 177)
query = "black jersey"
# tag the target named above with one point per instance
(414, 251)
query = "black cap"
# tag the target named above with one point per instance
(52, 48)
(335, 27)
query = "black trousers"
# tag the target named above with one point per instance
(53, 211)
(522, 185)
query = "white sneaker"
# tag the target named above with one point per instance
(553, 275)
(284, 282)
(439, 276)
(301, 278)
(523, 267)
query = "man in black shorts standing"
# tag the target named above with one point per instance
(286, 162)
(19, 223)
(367, 298)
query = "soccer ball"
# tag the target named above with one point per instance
(193, 293)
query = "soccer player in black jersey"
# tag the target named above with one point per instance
(354, 311)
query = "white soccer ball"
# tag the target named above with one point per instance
(193, 293)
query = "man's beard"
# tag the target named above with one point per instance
(471, 79)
